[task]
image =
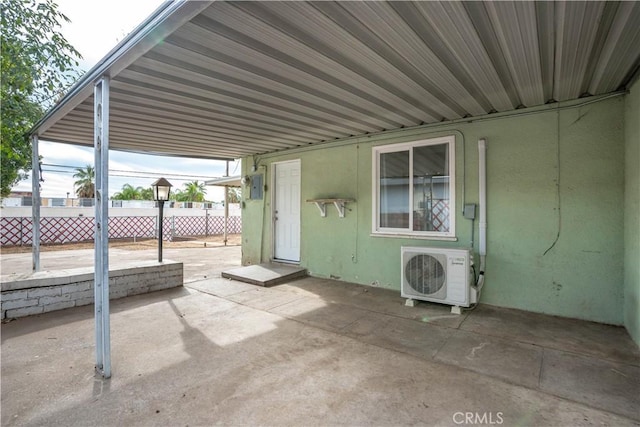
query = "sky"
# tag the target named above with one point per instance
(96, 27)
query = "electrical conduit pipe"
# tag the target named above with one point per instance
(482, 181)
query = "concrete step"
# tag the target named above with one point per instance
(267, 274)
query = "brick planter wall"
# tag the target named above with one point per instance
(56, 290)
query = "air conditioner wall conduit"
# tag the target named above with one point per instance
(482, 181)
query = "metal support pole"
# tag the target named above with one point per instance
(160, 221)
(101, 277)
(226, 214)
(226, 208)
(35, 204)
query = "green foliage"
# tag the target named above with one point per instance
(193, 192)
(235, 194)
(178, 196)
(37, 66)
(129, 192)
(146, 193)
(84, 185)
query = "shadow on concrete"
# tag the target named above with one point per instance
(42, 322)
(313, 352)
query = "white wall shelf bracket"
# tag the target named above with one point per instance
(340, 205)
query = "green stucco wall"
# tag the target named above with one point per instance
(632, 213)
(580, 277)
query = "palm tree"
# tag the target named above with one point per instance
(146, 193)
(128, 192)
(194, 191)
(85, 187)
(235, 194)
(176, 195)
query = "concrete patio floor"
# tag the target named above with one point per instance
(312, 352)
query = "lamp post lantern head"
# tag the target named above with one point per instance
(161, 190)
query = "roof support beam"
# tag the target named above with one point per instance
(101, 248)
(35, 204)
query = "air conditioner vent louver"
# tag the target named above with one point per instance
(425, 274)
(438, 275)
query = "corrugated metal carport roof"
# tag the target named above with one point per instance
(229, 79)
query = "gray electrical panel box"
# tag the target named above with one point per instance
(469, 211)
(257, 187)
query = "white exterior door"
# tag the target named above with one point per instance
(286, 213)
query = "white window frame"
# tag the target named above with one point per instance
(377, 230)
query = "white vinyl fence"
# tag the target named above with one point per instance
(17, 230)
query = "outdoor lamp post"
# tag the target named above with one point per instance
(161, 189)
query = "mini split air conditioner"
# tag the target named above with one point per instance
(438, 275)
